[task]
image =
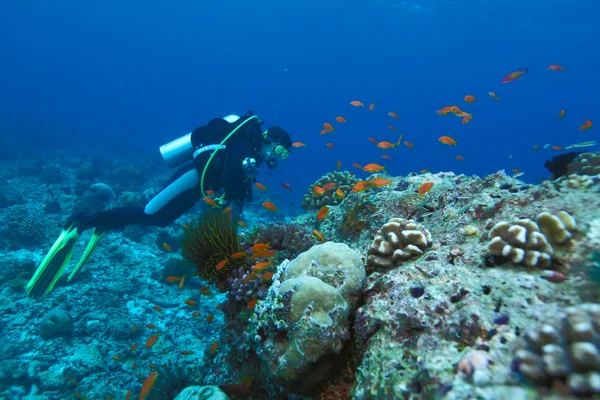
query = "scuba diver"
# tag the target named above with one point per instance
(222, 156)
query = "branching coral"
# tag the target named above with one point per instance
(343, 180)
(210, 240)
(288, 240)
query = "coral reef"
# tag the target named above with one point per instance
(529, 243)
(300, 307)
(585, 164)
(565, 349)
(56, 323)
(397, 241)
(343, 180)
(202, 393)
(288, 239)
(522, 243)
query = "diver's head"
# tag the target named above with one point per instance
(276, 144)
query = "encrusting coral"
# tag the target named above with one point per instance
(529, 243)
(397, 241)
(565, 350)
(343, 180)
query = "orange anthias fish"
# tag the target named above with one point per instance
(470, 98)
(556, 67)
(329, 186)
(318, 191)
(460, 158)
(361, 186)
(467, 119)
(319, 235)
(190, 302)
(173, 279)
(386, 157)
(372, 107)
(561, 115)
(261, 266)
(242, 224)
(330, 145)
(494, 96)
(264, 254)
(322, 213)
(426, 187)
(298, 144)
(338, 164)
(152, 341)
(341, 120)
(340, 194)
(328, 127)
(239, 254)
(252, 303)
(221, 264)
(260, 246)
(513, 76)
(260, 186)
(393, 115)
(267, 276)
(148, 384)
(210, 202)
(380, 182)
(557, 148)
(167, 247)
(372, 167)
(287, 186)
(392, 128)
(269, 206)
(586, 125)
(447, 140)
(209, 192)
(536, 147)
(386, 145)
(445, 110)
(357, 165)
(409, 144)
(356, 103)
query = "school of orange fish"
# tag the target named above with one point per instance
(262, 253)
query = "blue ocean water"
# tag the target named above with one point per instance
(119, 79)
(108, 75)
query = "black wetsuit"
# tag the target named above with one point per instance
(225, 172)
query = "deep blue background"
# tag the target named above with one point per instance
(136, 74)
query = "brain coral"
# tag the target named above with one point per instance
(305, 315)
(333, 263)
(564, 350)
(397, 241)
(344, 180)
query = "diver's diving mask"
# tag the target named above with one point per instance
(281, 151)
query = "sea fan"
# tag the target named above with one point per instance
(210, 240)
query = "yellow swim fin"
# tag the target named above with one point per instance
(54, 263)
(91, 246)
